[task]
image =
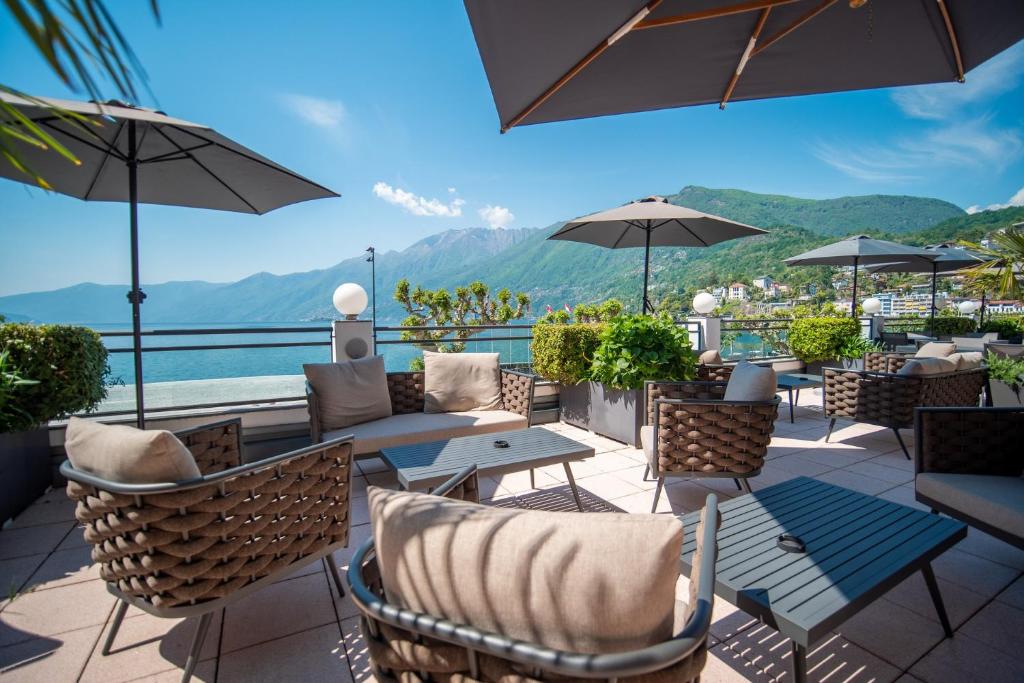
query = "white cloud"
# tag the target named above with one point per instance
(416, 205)
(451, 190)
(496, 216)
(1016, 200)
(939, 101)
(319, 111)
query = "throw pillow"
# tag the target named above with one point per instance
(711, 357)
(935, 350)
(749, 382)
(967, 360)
(461, 381)
(350, 392)
(128, 455)
(917, 367)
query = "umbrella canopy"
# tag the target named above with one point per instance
(135, 155)
(652, 222)
(949, 259)
(861, 250)
(554, 61)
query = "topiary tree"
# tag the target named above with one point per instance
(562, 353)
(819, 339)
(470, 305)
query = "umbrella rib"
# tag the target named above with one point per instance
(107, 148)
(683, 225)
(103, 164)
(203, 166)
(751, 44)
(564, 231)
(951, 34)
(738, 8)
(170, 156)
(279, 169)
(800, 21)
(625, 230)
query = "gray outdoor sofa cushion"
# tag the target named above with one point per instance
(994, 500)
(400, 430)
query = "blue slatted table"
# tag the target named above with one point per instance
(857, 547)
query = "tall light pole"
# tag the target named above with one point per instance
(372, 260)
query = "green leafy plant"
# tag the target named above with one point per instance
(950, 325)
(1007, 327)
(12, 418)
(635, 348)
(854, 347)
(1007, 370)
(560, 317)
(67, 363)
(1003, 264)
(598, 313)
(563, 353)
(818, 339)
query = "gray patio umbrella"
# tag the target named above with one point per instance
(860, 250)
(135, 155)
(555, 61)
(949, 259)
(652, 222)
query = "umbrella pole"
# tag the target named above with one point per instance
(931, 323)
(136, 296)
(646, 307)
(853, 301)
(981, 316)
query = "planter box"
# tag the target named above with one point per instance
(1003, 395)
(815, 367)
(615, 413)
(24, 470)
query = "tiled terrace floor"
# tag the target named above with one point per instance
(54, 610)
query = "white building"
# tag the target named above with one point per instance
(737, 292)
(764, 282)
(1004, 307)
(719, 293)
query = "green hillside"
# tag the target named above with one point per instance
(971, 227)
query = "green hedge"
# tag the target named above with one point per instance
(68, 365)
(951, 326)
(1007, 326)
(817, 339)
(562, 353)
(635, 348)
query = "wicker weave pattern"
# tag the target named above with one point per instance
(517, 392)
(193, 545)
(406, 391)
(688, 391)
(888, 399)
(714, 373)
(972, 442)
(714, 436)
(216, 447)
(877, 361)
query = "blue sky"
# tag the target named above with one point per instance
(387, 103)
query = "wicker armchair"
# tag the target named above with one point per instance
(691, 431)
(714, 373)
(969, 464)
(190, 548)
(406, 391)
(888, 399)
(410, 647)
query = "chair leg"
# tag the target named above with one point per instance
(647, 472)
(831, 426)
(744, 484)
(332, 566)
(902, 445)
(739, 486)
(657, 494)
(532, 484)
(197, 647)
(122, 607)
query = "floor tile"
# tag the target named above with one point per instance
(965, 659)
(857, 482)
(48, 510)
(961, 603)
(800, 464)
(893, 633)
(973, 572)
(1014, 594)
(65, 567)
(56, 658)
(47, 612)
(17, 542)
(278, 610)
(875, 470)
(991, 548)
(998, 625)
(355, 648)
(312, 655)
(15, 573)
(606, 486)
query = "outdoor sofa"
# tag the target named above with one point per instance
(410, 645)
(189, 548)
(970, 465)
(409, 423)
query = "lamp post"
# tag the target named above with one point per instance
(703, 304)
(372, 260)
(350, 300)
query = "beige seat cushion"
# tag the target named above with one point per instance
(998, 501)
(350, 392)
(967, 360)
(917, 367)
(399, 430)
(461, 381)
(128, 455)
(935, 350)
(711, 357)
(582, 582)
(749, 382)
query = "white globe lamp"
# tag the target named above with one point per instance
(350, 299)
(872, 306)
(704, 303)
(967, 307)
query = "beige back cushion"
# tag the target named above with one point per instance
(350, 392)
(128, 455)
(461, 381)
(711, 357)
(967, 360)
(749, 382)
(586, 583)
(917, 367)
(935, 350)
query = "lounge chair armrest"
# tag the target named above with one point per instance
(216, 447)
(969, 440)
(694, 389)
(517, 390)
(313, 405)
(463, 486)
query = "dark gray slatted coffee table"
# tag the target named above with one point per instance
(857, 547)
(426, 465)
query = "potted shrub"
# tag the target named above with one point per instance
(49, 371)
(945, 327)
(851, 352)
(817, 341)
(1008, 328)
(629, 350)
(1005, 379)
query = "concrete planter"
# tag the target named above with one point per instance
(24, 470)
(615, 413)
(847, 364)
(1004, 396)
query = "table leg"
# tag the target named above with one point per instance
(572, 485)
(933, 589)
(798, 396)
(799, 663)
(791, 405)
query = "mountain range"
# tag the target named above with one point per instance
(552, 273)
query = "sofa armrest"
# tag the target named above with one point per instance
(313, 406)
(216, 447)
(517, 392)
(969, 440)
(875, 397)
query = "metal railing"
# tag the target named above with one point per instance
(769, 338)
